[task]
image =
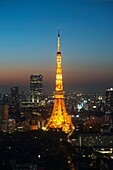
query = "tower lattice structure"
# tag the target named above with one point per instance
(59, 118)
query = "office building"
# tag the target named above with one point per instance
(14, 103)
(36, 88)
(96, 140)
(14, 93)
(109, 99)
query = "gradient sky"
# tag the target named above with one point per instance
(28, 42)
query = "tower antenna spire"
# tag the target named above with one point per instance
(58, 40)
(58, 32)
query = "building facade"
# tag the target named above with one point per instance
(109, 99)
(14, 93)
(14, 103)
(36, 88)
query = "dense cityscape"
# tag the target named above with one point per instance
(56, 85)
(32, 137)
(24, 144)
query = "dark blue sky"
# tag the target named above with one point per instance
(28, 42)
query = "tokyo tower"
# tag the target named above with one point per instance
(59, 118)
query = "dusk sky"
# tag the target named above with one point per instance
(28, 42)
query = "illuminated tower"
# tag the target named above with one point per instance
(59, 118)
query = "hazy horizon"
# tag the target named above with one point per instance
(6, 89)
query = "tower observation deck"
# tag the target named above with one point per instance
(59, 118)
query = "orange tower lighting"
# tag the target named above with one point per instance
(59, 118)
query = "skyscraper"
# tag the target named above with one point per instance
(6, 118)
(14, 93)
(109, 99)
(14, 103)
(36, 88)
(59, 118)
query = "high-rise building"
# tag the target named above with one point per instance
(6, 117)
(14, 103)
(14, 93)
(59, 118)
(36, 88)
(109, 99)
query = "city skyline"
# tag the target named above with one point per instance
(28, 43)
